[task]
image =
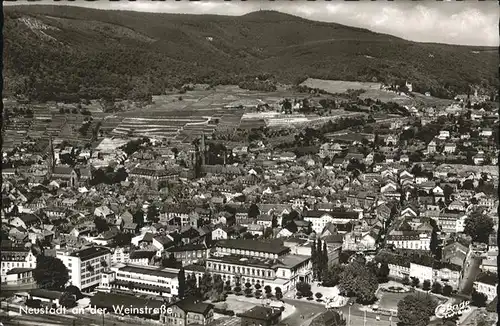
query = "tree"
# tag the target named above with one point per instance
(314, 259)
(359, 281)
(437, 288)
(324, 260)
(427, 285)
(138, 218)
(74, 290)
(205, 285)
(447, 290)
(415, 281)
(479, 227)
(319, 296)
(182, 283)
(331, 277)
(274, 222)
(191, 289)
(153, 213)
(478, 299)
(303, 288)
(278, 293)
(383, 272)
(268, 290)
(253, 211)
(416, 310)
(100, 224)
(434, 242)
(228, 287)
(406, 280)
(67, 300)
(50, 273)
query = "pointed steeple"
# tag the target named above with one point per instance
(202, 149)
(51, 156)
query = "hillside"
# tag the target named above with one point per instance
(67, 53)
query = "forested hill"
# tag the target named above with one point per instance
(65, 52)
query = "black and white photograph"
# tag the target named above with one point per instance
(249, 163)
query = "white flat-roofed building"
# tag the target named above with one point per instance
(252, 248)
(85, 266)
(153, 280)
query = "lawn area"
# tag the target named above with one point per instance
(389, 301)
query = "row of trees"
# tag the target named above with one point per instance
(319, 258)
(215, 289)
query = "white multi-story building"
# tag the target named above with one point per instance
(162, 282)
(16, 258)
(409, 240)
(432, 271)
(319, 219)
(251, 261)
(85, 266)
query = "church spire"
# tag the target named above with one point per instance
(51, 156)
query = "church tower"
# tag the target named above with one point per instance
(51, 161)
(202, 149)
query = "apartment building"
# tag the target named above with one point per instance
(86, 266)
(152, 280)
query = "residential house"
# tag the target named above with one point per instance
(262, 316)
(16, 257)
(319, 219)
(487, 283)
(189, 312)
(450, 148)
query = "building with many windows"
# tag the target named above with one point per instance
(319, 219)
(409, 240)
(487, 284)
(189, 312)
(86, 266)
(153, 280)
(266, 263)
(16, 258)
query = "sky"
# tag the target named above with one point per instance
(468, 22)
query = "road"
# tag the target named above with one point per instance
(310, 310)
(470, 274)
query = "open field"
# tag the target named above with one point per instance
(373, 91)
(338, 86)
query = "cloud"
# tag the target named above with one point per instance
(465, 22)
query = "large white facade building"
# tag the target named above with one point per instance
(85, 266)
(143, 279)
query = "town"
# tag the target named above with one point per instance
(308, 208)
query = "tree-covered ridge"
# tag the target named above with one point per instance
(69, 53)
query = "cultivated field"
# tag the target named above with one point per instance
(338, 86)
